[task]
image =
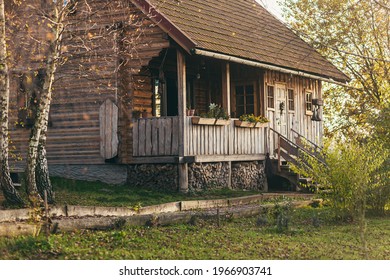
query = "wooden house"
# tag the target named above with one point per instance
(157, 58)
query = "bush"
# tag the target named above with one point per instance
(351, 177)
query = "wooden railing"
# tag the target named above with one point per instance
(224, 140)
(159, 137)
(290, 151)
(156, 137)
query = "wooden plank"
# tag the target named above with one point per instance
(135, 138)
(155, 136)
(227, 158)
(163, 141)
(148, 137)
(141, 137)
(175, 136)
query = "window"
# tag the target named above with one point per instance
(309, 104)
(29, 87)
(291, 102)
(270, 97)
(245, 99)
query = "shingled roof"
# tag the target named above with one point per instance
(241, 29)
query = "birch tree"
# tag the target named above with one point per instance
(37, 174)
(9, 191)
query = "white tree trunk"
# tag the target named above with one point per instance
(9, 191)
(40, 126)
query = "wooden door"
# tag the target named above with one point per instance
(281, 110)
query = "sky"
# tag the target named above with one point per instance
(272, 6)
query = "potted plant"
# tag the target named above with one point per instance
(190, 111)
(250, 120)
(216, 115)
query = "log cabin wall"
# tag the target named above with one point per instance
(298, 119)
(106, 46)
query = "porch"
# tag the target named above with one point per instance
(157, 140)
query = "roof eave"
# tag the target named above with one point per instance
(333, 80)
(165, 24)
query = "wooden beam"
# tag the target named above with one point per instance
(182, 94)
(226, 87)
(226, 158)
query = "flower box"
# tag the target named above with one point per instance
(204, 121)
(222, 122)
(239, 123)
(261, 124)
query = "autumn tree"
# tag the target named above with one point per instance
(9, 191)
(355, 35)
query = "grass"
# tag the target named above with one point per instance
(85, 193)
(234, 239)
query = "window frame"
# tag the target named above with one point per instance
(269, 97)
(291, 100)
(309, 102)
(245, 105)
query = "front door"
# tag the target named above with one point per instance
(281, 110)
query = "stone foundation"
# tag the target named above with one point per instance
(201, 176)
(208, 176)
(160, 176)
(249, 176)
(111, 174)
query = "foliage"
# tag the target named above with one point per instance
(237, 239)
(352, 173)
(253, 119)
(216, 112)
(355, 36)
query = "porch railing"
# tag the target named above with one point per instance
(156, 137)
(224, 140)
(159, 137)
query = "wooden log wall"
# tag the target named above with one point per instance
(105, 55)
(298, 119)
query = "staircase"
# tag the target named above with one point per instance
(288, 152)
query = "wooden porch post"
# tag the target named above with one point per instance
(181, 86)
(226, 105)
(226, 87)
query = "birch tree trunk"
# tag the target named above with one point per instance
(9, 191)
(42, 170)
(38, 132)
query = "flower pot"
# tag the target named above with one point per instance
(190, 112)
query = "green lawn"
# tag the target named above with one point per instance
(85, 193)
(234, 239)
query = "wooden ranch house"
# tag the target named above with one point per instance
(153, 60)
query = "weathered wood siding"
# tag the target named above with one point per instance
(105, 59)
(298, 119)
